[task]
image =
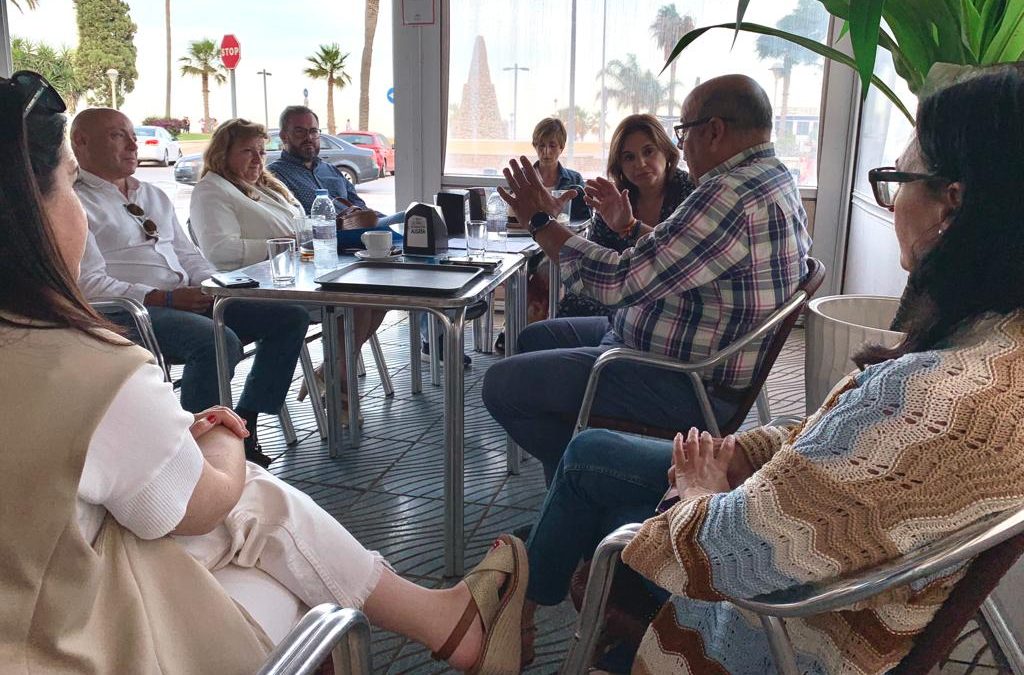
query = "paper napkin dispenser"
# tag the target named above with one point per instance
(455, 209)
(425, 230)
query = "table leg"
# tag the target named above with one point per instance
(454, 420)
(554, 287)
(515, 321)
(415, 367)
(487, 334)
(332, 380)
(220, 346)
(435, 357)
(352, 385)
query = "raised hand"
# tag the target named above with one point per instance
(610, 202)
(527, 194)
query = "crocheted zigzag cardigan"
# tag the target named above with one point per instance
(901, 454)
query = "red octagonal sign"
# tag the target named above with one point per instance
(230, 52)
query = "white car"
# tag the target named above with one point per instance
(157, 145)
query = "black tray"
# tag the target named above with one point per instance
(400, 278)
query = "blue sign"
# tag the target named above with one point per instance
(305, 93)
(391, 95)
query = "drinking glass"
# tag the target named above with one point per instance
(302, 226)
(282, 260)
(497, 231)
(476, 238)
(563, 215)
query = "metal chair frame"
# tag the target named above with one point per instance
(326, 630)
(809, 599)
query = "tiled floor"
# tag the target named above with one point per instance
(388, 492)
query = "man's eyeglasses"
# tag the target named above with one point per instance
(302, 132)
(148, 226)
(42, 93)
(886, 182)
(683, 128)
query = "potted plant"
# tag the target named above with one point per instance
(932, 42)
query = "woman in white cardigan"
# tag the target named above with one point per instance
(237, 205)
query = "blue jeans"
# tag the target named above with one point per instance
(605, 480)
(536, 394)
(278, 330)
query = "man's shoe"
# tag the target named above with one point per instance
(476, 310)
(254, 453)
(425, 355)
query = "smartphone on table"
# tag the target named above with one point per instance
(668, 500)
(234, 280)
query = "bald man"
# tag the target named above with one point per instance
(730, 254)
(137, 249)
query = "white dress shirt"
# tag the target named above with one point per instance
(233, 229)
(120, 260)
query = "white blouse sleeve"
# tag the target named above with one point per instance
(143, 464)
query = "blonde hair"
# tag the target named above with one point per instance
(215, 158)
(649, 125)
(550, 127)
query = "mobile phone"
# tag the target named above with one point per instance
(668, 500)
(234, 280)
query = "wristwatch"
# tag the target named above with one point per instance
(538, 222)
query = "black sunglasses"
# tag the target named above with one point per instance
(148, 226)
(42, 94)
(886, 181)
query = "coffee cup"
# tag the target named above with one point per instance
(377, 243)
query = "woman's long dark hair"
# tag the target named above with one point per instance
(36, 288)
(971, 133)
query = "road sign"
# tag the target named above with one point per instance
(230, 52)
(391, 95)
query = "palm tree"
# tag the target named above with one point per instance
(31, 4)
(667, 28)
(808, 19)
(372, 9)
(56, 65)
(631, 87)
(329, 64)
(203, 61)
(167, 24)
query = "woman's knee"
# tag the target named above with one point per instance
(595, 448)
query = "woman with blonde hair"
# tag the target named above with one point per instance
(237, 204)
(643, 160)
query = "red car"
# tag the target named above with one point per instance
(380, 145)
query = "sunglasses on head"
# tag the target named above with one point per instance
(41, 93)
(148, 226)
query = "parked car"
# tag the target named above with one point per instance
(157, 145)
(359, 165)
(380, 145)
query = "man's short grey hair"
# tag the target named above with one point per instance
(287, 113)
(744, 108)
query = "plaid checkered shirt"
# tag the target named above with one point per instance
(731, 253)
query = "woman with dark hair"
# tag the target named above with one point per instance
(101, 466)
(643, 160)
(922, 441)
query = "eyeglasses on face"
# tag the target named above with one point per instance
(42, 95)
(886, 181)
(303, 132)
(148, 226)
(683, 128)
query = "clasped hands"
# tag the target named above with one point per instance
(216, 416)
(701, 464)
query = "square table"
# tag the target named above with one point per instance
(450, 311)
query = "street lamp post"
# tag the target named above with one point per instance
(266, 114)
(515, 94)
(112, 76)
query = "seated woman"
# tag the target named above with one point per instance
(237, 205)
(923, 441)
(549, 137)
(92, 579)
(643, 160)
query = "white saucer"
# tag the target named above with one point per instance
(365, 255)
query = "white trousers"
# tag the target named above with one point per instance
(282, 532)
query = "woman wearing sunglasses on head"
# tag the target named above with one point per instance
(118, 504)
(924, 440)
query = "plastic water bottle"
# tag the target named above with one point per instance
(325, 231)
(497, 221)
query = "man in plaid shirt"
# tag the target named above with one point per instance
(731, 253)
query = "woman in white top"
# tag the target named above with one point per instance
(159, 471)
(237, 205)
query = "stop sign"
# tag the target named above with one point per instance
(230, 52)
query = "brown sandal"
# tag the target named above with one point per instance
(499, 605)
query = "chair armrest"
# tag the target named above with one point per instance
(693, 369)
(785, 421)
(810, 599)
(139, 316)
(599, 584)
(325, 629)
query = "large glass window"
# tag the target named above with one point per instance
(510, 66)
